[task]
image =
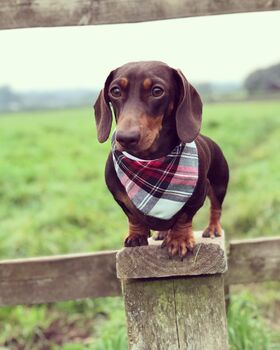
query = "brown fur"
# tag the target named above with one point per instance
(149, 125)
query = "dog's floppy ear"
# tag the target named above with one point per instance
(189, 109)
(102, 112)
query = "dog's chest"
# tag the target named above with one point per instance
(159, 188)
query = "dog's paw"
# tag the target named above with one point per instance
(213, 231)
(159, 235)
(135, 240)
(178, 244)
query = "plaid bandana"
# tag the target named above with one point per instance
(159, 187)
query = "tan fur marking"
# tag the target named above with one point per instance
(138, 229)
(147, 83)
(180, 239)
(214, 228)
(123, 197)
(137, 234)
(123, 82)
(150, 128)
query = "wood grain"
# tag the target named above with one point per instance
(254, 260)
(150, 314)
(42, 280)
(200, 312)
(208, 257)
(176, 313)
(49, 13)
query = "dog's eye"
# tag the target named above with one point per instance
(116, 91)
(157, 91)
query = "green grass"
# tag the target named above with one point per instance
(53, 200)
(247, 329)
(249, 134)
(53, 197)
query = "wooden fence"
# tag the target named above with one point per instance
(169, 304)
(77, 276)
(165, 309)
(49, 13)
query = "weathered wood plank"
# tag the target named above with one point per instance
(69, 277)
(41, 280)
(151, 320)
(176, 313)
(208, 257)
(200, 312)
(254, 260)
(49, 13)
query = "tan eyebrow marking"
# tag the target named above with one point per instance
(147, 83)
(123, 82)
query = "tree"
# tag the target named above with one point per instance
(264, 80)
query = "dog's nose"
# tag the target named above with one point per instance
(128, 138)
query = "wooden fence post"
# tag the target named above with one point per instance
(172, 304)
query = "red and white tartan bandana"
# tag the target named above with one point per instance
(159, 187)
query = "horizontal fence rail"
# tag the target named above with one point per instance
(57, 278)
(49, 13)
(253, 261)
(70, 277)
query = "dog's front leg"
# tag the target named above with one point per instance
(180, 239)
(138, 233)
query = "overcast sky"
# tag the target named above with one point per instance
(217, 48)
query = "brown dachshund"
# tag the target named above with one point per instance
(160, 169)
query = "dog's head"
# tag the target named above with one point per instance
(147, 97)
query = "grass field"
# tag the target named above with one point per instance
(53, 200)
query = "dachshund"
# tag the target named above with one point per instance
(160, 169)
